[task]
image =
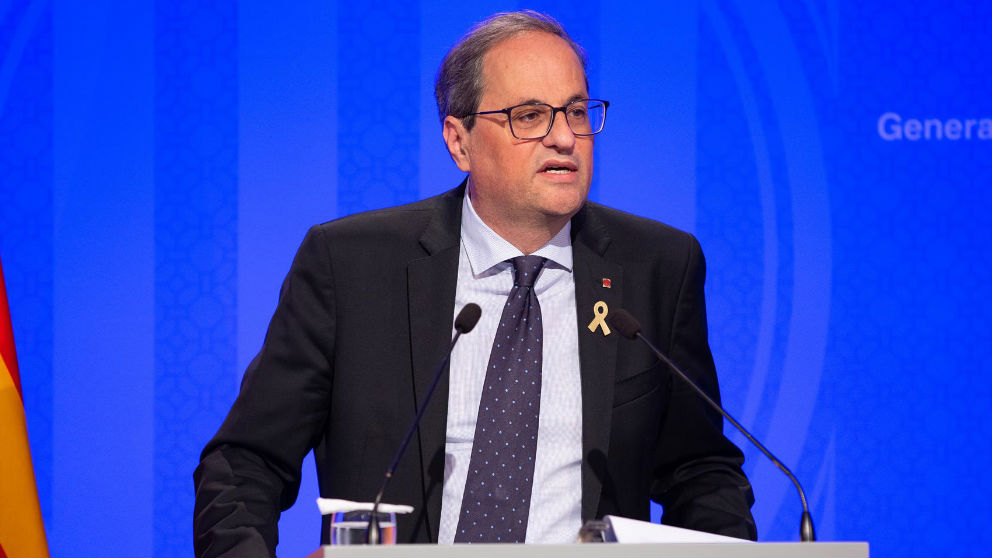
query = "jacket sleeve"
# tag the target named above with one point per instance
(250, 471)
(698, 479)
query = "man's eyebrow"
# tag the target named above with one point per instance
(536, 101)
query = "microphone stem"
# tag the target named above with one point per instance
(373, 530)
(806, 533)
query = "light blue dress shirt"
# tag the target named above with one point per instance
(486, 278)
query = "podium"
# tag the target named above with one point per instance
(602, 550)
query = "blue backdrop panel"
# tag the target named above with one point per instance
(378, 134)
(26, 212)
(646, 163)
(104, 275)
(196, 212)
(160, 162)
(783, 146)
(910, 354)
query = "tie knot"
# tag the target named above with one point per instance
(526, 270)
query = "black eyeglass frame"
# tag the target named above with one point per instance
(551, 123)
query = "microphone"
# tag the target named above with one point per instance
(629, 327)
(464, 323)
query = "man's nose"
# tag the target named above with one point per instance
(561, 135)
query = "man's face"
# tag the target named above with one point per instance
(528, 182)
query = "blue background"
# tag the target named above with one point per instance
(161, 161)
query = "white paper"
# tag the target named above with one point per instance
(633, 531)
(330, 505)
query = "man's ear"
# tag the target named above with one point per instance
(457, 139)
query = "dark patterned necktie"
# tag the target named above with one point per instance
(496, 502)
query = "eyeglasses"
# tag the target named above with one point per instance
(531, 121)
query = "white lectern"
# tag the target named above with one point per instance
(602, 550)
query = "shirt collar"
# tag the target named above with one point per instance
(486, 249)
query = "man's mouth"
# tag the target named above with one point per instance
(559, 167)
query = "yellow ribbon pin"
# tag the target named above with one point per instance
(601, 311)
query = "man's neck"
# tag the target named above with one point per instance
(525, 233)
(528, 239)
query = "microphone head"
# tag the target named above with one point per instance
(623, 322)
(467, 318)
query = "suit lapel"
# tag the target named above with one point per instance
(596, 280)
(431, 281)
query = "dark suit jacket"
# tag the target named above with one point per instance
(364, 318)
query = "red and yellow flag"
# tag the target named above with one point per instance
(22, 533)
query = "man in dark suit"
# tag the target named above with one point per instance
(365, 316)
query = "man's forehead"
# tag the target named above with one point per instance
(528, 65)
(532, 47)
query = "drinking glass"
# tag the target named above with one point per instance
(351, 527)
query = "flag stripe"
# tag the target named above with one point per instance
(22, 531)
(21, 528)
(7, 353)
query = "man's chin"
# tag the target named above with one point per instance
(564, 207)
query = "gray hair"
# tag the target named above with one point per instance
(459, 84)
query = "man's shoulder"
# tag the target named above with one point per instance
(634, 230)
(398, 215)
(401, 223)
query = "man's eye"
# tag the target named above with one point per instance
(527, 116)
(577, 113)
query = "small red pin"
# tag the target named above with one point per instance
(607, 283)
